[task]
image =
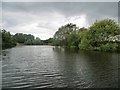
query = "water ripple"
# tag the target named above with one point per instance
(41, 67)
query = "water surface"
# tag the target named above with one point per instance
(55, 67)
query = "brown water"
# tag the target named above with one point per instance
(49, 67)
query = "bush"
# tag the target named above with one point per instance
(109, 47)
(84, 44)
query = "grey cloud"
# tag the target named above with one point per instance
(119, 13)
(92, 9)
(16, 13)
(0, 14)
(61, 0)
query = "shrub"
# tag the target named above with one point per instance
(109, 47)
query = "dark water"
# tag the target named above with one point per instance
(45, 66)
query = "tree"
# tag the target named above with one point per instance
(48, 41)
(85, 39)
(21, 38)
(97, 37)
(28, 42)
(37, 41)
(100, 31)
(60, 37)
(73, 39)
(7, 39)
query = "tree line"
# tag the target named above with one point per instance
(96, 37)
(102, 35)
(9, 40)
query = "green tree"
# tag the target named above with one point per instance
(28, 42)
(21, 38)
(37, 41)
(85, 39)
(97, 37)
(100, 31)
(7, 39)
(109, 47)
(73, 39)
(48, 41)
(61, 36)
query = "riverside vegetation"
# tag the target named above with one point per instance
(102, 35)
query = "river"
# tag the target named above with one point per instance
(54, 67)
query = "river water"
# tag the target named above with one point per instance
(54, 67)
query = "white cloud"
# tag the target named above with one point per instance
(44, 19)
(78, 20)
(44, 25)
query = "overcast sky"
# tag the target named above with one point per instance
(43, 19)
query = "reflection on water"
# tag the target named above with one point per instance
(53, 67)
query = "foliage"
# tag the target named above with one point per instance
(109, 47)
(21, 38)
(73, 39)
(62, 35)
(28, 42)
(85, 39)
(7, 39)
(96, 37)
(36, 41)
(100, 31)
(102, 35)
(48, 41)
(0, 40)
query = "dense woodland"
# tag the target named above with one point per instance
(102, 35)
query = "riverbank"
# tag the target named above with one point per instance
(107, 49)
(67, 48)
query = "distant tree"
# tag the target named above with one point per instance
(21, 38)
(28, 42)
(37, 41)
(48, 41)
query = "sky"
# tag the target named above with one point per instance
(42, 19)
